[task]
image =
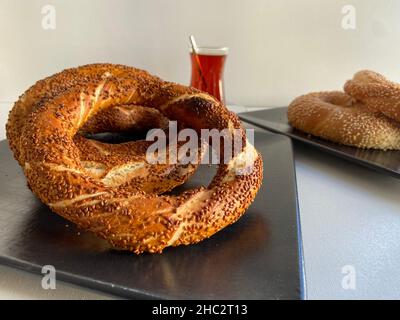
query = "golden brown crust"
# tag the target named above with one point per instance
(375, 92)
(337, 117)
(98, 159)
(129, 219)
(127, 118)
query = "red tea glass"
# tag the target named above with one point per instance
(208, 70)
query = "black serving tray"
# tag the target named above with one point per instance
(259, 257)
(275, 120)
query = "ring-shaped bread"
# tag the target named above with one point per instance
(129, 219)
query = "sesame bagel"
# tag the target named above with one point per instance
(105, 161)
(45, 141)
(376, 92)
(337, 117)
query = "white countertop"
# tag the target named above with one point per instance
(350, 216)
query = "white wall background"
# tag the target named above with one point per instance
(279, 48)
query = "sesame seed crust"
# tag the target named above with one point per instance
(375, 92)
(85, 181)
(338, 117)
(99, 159)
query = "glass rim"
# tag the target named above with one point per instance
(212, 51)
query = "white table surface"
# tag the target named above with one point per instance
(350, 216)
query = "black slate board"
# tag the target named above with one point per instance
(259, 257)
(275, 120)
